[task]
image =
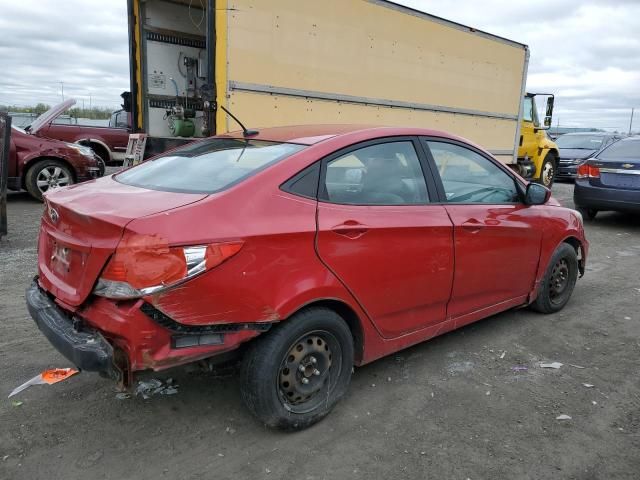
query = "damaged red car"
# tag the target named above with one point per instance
(303, 250)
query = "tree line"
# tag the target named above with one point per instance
(96, 113)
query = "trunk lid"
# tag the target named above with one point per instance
(620, 174)
(81, 228)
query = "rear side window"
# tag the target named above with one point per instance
(207, 166)
(380, 174)
(468, 177)
(624, 149)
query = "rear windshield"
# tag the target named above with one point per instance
(622, 150)
(583, 142)
(207, 166)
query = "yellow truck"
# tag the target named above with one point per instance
(284, 62)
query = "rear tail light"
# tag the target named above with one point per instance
(143, 267)
(587, 170)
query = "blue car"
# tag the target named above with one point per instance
(610, 180)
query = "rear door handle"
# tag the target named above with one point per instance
(472, 225)
(350, 229)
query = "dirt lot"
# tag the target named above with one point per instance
(451, 408)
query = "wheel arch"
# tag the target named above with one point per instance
(579, 248)
(348, 314)
(101, 146)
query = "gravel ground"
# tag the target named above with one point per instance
(450, 408)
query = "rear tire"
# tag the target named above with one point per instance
(293, 376)
(587, 213)
(47, 174)
(559, 280)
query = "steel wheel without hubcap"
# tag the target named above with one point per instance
(559, 281)
(51, 177)
(309, 371)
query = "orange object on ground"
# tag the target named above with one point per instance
(48, 377)
(56, 375)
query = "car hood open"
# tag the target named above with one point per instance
(50, 115)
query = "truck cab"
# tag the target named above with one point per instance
(537, 153)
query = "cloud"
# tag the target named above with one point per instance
(584, 51)
(81, 43)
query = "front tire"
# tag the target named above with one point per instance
(559, 280)
(46, 175)
(548, 170)
(293, 376)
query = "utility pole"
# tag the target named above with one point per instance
(62, 88)
(631, 121)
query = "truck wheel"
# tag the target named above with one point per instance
(293, 376)
(559, 280)
(548, 170)
(587, 213)
(46, 175)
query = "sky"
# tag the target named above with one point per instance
(585, 52)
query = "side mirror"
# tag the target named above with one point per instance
(536, 194)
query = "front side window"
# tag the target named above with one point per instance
(468, 177)
(380, 174)
(207, 166)
(527, 113)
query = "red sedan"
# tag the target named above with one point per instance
(306, 250)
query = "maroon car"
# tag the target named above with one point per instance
(39, 164)
(109, 143)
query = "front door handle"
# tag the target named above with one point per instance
(350, 229)
(472, 225)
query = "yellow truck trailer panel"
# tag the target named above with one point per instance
(370, 49)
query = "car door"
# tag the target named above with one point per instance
(497, 237)
(381, 236)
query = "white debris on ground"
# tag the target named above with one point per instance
(555, 365)
(154, 386)
(563, 417)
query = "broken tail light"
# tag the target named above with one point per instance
(587, 170)
(143, 266)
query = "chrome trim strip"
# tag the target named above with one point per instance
(620, 170)
(338, 97)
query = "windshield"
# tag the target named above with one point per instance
(583, 142)
(622, 150)
(207, 166)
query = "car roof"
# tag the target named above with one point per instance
(312, 134)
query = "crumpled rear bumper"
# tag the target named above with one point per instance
(87, 349)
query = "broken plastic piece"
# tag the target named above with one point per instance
(563, 417)
(48, 377)
(587, 385)
(154, 386)
(519, 368)
(555, 365)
